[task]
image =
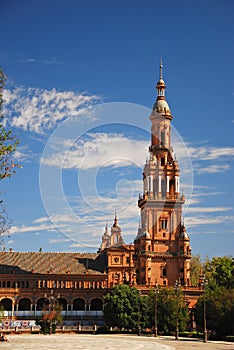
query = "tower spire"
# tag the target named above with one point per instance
(161, 105)
(160, 68)
(115, 220)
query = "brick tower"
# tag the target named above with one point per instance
(162, 246)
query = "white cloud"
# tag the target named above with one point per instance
(85, 223)
(37, 110)
(193, 221)
(58, 240)
(46, 61)
(210, 153)
(41, 220)
(207, 209)
(214, 168)
(30, 228)
(98, 150)
(23, 154)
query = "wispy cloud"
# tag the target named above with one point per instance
(31, 228)
(37, 110)
(203, 157)
(43, 61)
(213, 168)
(207, 209)
(23, 154)
(84, 225)
(58, 240)
(210, 153)
(98, 150)
(194, 221)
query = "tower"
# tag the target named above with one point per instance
(116, 237)
(162, 246)
(113, 239)
(106, 238)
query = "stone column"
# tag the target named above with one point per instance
(159, 184)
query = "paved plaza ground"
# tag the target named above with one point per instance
(107, 342)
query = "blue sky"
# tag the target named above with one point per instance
(68, 64)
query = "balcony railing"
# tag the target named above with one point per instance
(93, 313)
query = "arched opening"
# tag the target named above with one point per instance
(6, 304)
(172, 187)
(78, 304)
(63, 303)
(24, 304)
(41, 303)
(155, 187)
(164, 188)
(162, 137)
(96, 304)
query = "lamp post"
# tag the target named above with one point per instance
(156, 291)
(52, 301)
(177, 289)
(204, 284)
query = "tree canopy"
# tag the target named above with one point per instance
(219, 296)
(126, 308)
(8, 141)
(220, 271)
(8, 144)
(122, 307)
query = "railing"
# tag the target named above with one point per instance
(171, 254)
(78, 313)
(153, 196)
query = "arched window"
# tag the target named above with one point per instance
(41, 303)
(24, 304)
(78, 304)
(164, 271)
(6, 303)
(164, 188)
(96, 304)
(63, 303)
(172, 187)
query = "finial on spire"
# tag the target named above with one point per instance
(115, 220)
(161, 68)
(106, 225)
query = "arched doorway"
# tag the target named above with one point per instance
(78, 304)
(41, 303)
(24, 304)
(6, 304)
(63, 303)
(96, 304)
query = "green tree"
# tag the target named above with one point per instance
(51, 317)
(220, 271)
(219, 310)
(122, 307)
(8, 141)
(196, 268)
(1, 312)
(169, 306)
(8, 144)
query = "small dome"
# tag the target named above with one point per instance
(161, 82)
(161, 106)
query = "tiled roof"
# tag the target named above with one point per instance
(55, 263)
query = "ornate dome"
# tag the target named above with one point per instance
(161, 106)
